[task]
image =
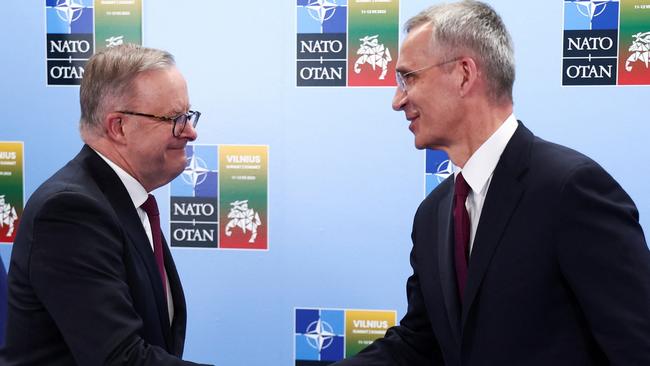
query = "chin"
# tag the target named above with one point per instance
(419, 145)
(179, 169)
(175, 168)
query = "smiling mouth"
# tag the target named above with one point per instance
(412, 123)
(411, 117)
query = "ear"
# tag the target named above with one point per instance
(468, 75)
(113, 125)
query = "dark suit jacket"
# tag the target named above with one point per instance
(559, 272)
(83, 283)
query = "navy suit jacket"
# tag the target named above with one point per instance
(559, 272)
(84, 288)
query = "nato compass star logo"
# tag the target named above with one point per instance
(69, 16)
(319, 335)
(591, 8)
(321, 10)
(322, 16)
(444, 170)
(591, 14)
(195, 172)
(438, 167)
(200, 178)
(69, 11)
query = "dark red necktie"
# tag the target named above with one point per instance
(151, 208)
(461, 232)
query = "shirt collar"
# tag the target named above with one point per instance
(481, 164)
(136, 191)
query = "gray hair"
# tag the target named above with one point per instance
(475, 27)
(109, 75)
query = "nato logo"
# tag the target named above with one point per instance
(200, 177)
(322, 42)
(69, 16)
(194, 217)
(322, 16)
(590, 15)
(438, 168)
(319, 336)
(69, 40)
(590, 42)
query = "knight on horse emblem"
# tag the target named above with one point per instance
(374, 54)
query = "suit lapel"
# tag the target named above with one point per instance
(177, 330)
(133, 226)
(503, 196)
(119, 198)
(446, 261)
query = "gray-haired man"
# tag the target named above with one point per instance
(92, 281)
(531, 254)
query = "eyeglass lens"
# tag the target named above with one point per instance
(181, 121)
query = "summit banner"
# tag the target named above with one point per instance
(76, 29)
(324, 336)
(221, 199)
(347, 43)
(117, 22)
(243, 197)
(606, 42)
(12, 188)
(634, 45)
(373, 31)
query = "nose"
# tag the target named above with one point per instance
(399, 99)
(189, 132)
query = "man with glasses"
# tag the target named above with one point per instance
(92, 281)
(531, 254)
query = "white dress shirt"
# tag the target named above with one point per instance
(138, 195)
(479, 169)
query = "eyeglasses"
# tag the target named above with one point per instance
(178, 122)
(403, 78)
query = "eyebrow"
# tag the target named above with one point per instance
(176, 112)
(404, 69)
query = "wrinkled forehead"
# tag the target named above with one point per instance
(165, 86)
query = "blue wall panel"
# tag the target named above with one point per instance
(344, 179)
